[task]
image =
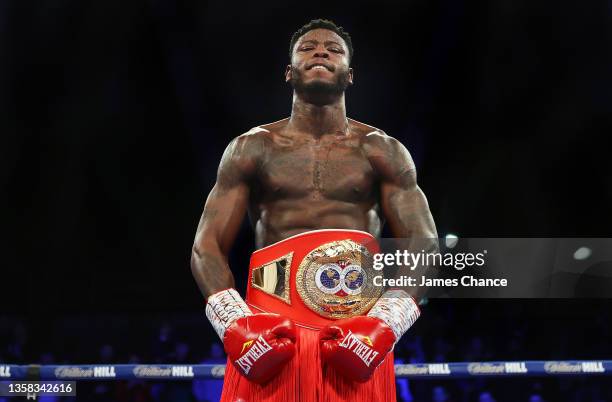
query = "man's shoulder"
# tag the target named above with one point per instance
(257, 135)
(387, 155)
(374, 139)
(364, 129)
(273, 127)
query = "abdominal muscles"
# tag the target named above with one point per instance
(284, 219)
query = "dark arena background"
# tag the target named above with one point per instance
(114, 116)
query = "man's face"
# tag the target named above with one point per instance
(320, 64)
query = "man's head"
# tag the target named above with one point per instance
(320, 53)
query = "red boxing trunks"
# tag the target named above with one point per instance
(314, 278)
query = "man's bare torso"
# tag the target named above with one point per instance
(303, 182)
(315, 170)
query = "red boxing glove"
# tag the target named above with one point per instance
(260, 345)
(356, 346)
(257, 345)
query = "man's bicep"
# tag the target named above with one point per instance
(227, 202)
(222, 216)
(403, 204)
(406, 210)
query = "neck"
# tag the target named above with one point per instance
(318, 120)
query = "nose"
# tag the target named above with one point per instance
(321, 52)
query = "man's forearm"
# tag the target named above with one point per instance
(210, 270)
(416, 245)
(428, 246)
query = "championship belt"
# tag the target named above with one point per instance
(315, 277)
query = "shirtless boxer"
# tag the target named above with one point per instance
(315, 170)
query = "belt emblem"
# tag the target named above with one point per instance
(332, 280)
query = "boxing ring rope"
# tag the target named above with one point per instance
(92, 372)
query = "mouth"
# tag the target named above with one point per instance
(320, 66)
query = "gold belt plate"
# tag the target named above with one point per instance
(335, 280)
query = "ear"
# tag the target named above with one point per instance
(288, 73)
(350, 76)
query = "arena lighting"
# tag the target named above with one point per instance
(582, 253)
(451, 240)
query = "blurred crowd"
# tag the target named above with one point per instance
(461, 331)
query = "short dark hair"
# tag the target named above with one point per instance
(324, 24)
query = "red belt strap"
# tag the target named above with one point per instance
(327, 262)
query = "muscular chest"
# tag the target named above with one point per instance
(335, 170)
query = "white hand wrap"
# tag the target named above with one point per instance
(398, 310)
(225, 307)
